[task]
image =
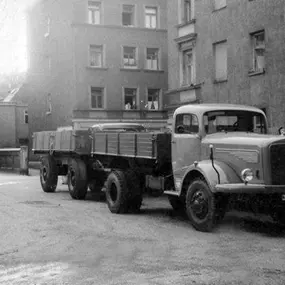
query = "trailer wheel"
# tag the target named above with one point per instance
(48, 174)
(117, 193)
(176, 203)
(201, 206)
(77, 179)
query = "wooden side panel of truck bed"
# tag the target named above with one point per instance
(65, 141)
(141, 145)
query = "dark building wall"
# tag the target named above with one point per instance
(235, 23)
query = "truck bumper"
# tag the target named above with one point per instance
(250, 188)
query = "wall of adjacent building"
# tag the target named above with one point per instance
(235, 23)
(13, 125)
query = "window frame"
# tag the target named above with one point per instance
(158, 58)
(102, 56)
(159, 102)
(134, 15)
(148, 14)
(216, 78)
(254, 48)
(185, 79)
(103, 89)
(93, 10)
(136, 66)
(136, 98)
(187, 133)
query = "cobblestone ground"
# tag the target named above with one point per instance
(52, 239)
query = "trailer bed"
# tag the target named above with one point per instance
(148, 145)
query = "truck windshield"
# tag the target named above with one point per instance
(234, 121)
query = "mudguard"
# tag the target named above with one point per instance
(205, 167)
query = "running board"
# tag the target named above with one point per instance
(171, 192)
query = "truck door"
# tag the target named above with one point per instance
(186, 145)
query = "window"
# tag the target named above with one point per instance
(97, 96)
(128, 15)
(153, 99)
(151, 17)
(130, 57)
(187, 67)
(221, 64)
(258, 40)
(94, 12)
(96, 56)
(152, 58)
(219, 4)
(130, 98)
(186, 124)
(234, 121)
(26, 117)
(186, 11)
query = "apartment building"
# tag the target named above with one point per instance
(96, 61)
(227, 51)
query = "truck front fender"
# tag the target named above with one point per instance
(206, 170)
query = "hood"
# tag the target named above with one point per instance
(242, 139)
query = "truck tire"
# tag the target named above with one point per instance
(117, 192)
(201, 206)
(77, 179)
(48, 174)
(176, 203)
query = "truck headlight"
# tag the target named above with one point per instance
(247, 175)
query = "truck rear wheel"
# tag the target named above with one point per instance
(201, 206)
(117, 192)
(77, 179)
(48, 174)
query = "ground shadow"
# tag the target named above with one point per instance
(254, 224)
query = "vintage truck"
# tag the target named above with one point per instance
(216, 156)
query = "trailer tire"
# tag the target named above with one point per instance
(48, 174)
(176, 203)
(77, 179)
(201, 206)
(117, 192)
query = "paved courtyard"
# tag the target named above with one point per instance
(52, 239)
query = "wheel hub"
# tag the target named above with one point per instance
(44, 173)
(199, 204)
(113, 192)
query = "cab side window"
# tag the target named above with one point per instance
(186, 124)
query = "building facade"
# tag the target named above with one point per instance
(227, 51)
(14, 123)
(96, 61)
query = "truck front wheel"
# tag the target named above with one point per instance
(48, 174)
(117, 193)
(201, 206)
(77, 179)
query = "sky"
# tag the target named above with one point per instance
(13, 53)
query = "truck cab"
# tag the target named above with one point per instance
(226, 150)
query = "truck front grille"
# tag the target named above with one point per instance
(277, 153)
